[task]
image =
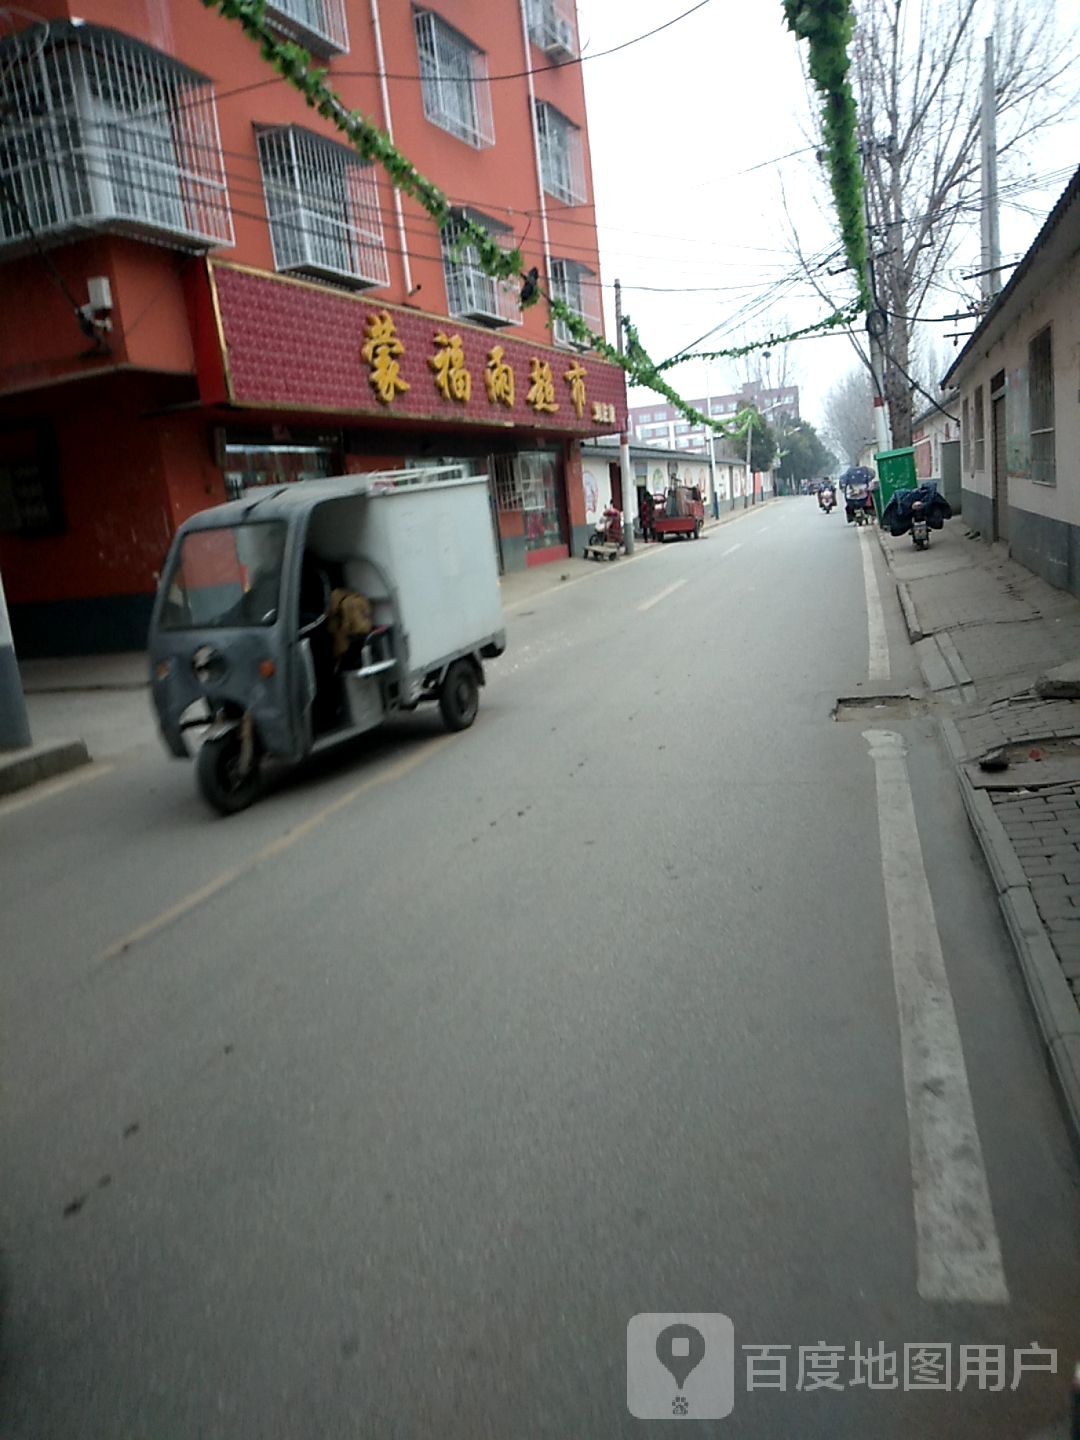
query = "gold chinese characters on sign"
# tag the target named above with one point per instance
(575, 378)
(499, 378)
(541, 396)
(452, 378)
(603, 412)
(382, 350)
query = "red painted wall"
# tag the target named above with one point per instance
(132, 469)
(500, 180)
(116, 501)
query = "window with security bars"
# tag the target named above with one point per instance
(965, 436)
(453, 81)
(103, 133)
(561, 165)
(1041, 408)
(323, 207)
(470, 293)
(978, 434)
(579, 291)
(507, 477)
(319, 25)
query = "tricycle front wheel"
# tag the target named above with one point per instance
(217, 769)
(459, 696)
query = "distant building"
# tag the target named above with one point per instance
(663, 425)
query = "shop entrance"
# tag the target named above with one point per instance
(530, 508)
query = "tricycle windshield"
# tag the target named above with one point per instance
(224, 577)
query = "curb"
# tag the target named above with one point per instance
(1056, 1011)
(24, 768)
(911, 617)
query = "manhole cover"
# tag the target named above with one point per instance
(878, 707)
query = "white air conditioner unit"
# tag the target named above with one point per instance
(560, 39)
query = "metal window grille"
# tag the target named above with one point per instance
(508, 495)
(965, 436)
(470, 293)
(103, 133)
(552, 27)
(453, 80)
(978, 444)
(561, 164)
(323, 207)
(1041, 408)
(579, 289)
(320, 25)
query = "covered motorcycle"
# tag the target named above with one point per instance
(898, 513)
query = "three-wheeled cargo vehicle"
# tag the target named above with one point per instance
(304, 615)
(681, 512)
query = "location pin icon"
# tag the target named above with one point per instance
(680, 1349)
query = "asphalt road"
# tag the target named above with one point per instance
(380, 1109)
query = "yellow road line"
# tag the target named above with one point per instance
(268, 852)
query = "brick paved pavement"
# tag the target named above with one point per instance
(1008, 627)
(1044, 828)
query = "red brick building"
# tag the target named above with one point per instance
(204, 290)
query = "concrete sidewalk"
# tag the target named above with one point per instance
(999, 647)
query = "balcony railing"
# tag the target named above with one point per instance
(101, 133)
(319, 25)
(472, 294)
(323, 206)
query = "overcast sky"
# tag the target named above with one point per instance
(676, 124)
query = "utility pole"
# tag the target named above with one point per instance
(625, 468)
(991, 240)
(710, 437)
(14, 725)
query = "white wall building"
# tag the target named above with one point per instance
(1018, 379)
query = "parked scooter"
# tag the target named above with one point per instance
(920, 526)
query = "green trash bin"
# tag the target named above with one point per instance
(896, 471)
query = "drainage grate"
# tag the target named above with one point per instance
(878, 707)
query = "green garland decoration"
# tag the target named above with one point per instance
(295, 65)
(828, 25)
(839, 319)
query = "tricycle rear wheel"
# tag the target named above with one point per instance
(459, 696)
(217, 769)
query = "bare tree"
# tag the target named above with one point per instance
(848, 414)
(917, 70)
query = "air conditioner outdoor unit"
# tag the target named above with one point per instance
(561, 39)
